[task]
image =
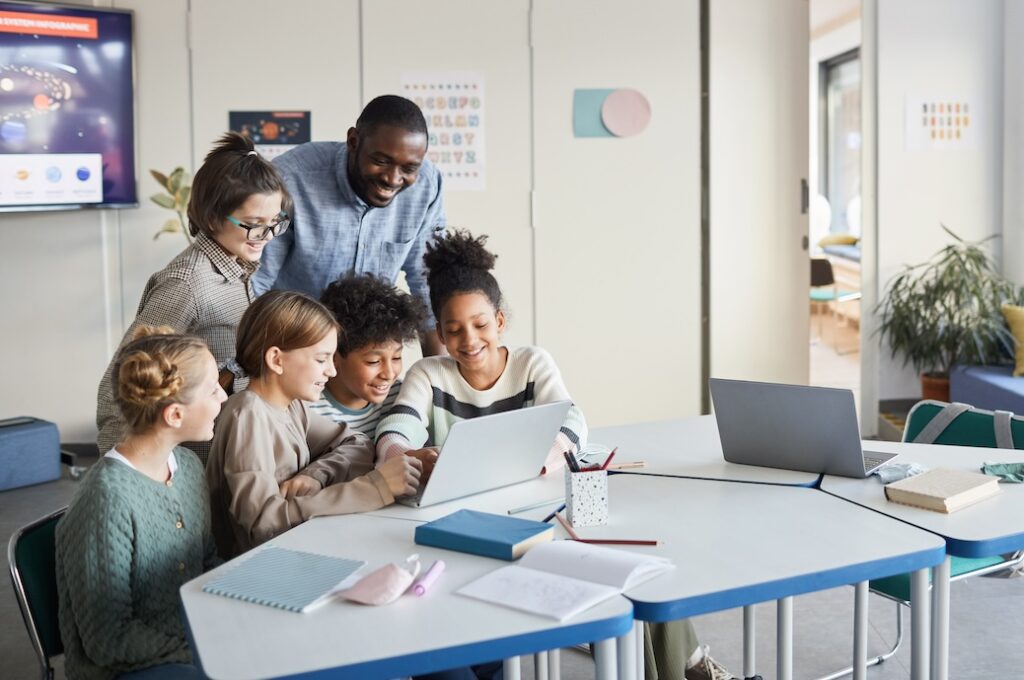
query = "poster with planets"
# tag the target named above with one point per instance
(66, 107)
(272, 132)
(942, 123)
(453, 104)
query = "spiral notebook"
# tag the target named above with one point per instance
(287, 579)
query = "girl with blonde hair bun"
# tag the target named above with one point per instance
(139, 526)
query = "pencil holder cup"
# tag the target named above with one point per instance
(586, 498)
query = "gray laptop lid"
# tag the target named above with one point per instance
(793, 427)
(492, 451)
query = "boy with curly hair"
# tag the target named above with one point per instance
(376, 320)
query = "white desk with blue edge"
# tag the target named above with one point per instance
(688, 447)
(993, 527)
(235, 640)
(793, 541)
(692, 448)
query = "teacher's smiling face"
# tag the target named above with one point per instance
(384, 162)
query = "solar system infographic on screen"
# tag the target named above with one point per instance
(66, 109)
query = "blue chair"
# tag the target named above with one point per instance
(965, 427)
(31, 554)
(825, 290)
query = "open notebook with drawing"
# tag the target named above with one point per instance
(563, 578)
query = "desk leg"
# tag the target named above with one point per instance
(749, 642)
(540, 666)
(512, 668)
(604, 658)
(920, 621)
(638, 642)
(784, 640)
(940, 620)
(555, 664)
(626, 653)
(860, 631)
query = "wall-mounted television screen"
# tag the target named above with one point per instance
(67, 120)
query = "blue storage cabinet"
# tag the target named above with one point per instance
(29, 452)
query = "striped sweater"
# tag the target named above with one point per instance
(435, 395)
(361, 420)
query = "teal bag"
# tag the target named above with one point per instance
(936, 422)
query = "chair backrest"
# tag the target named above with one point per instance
(821, 272)
(973, 427)
(32, 556)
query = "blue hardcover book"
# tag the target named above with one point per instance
(483, 533)
(287, 579)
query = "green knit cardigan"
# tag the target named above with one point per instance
(124, 548)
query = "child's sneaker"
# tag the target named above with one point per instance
(708, 669)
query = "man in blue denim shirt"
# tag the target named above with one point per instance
(369, 205)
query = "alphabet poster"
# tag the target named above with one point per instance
(453, 104)
(942, 123)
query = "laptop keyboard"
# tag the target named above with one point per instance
(870, 462)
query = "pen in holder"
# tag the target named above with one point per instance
(586, 497)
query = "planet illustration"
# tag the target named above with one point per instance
(83, 173)
(270, 130)
(12, 131)
(22, 174)
(53, 174)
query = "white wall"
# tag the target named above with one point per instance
(758, 138)
(620, 313)
(940, 48)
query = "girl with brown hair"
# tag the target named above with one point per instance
(274, 462)
(238, 204)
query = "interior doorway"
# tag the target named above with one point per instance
(835, 195)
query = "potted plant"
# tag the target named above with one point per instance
(178, 186)
(947, 311)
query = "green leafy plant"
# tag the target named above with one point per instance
(947, 310)
(178, 188)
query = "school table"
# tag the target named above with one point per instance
(770, 543)
(237, 640)
(688, 447)
(992, 527)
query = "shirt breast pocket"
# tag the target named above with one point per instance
(392, 256)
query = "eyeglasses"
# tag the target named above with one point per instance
(260, 232)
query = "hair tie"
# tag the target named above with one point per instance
(252, 153)
(235, 368)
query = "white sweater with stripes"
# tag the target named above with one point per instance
(435, 395)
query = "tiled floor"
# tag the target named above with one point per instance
(832, 368)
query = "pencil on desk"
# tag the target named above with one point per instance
(628, 466)
(568, 529)
(609, 458)
(552, 515)
(616, 541)
(534, 506)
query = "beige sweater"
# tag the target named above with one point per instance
(259, 446)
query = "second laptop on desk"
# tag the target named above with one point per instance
(793, 427)
(492, 451)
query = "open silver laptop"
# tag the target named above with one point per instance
(492, 451)
(793, 427)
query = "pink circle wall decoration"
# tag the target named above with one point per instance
(626, 113)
